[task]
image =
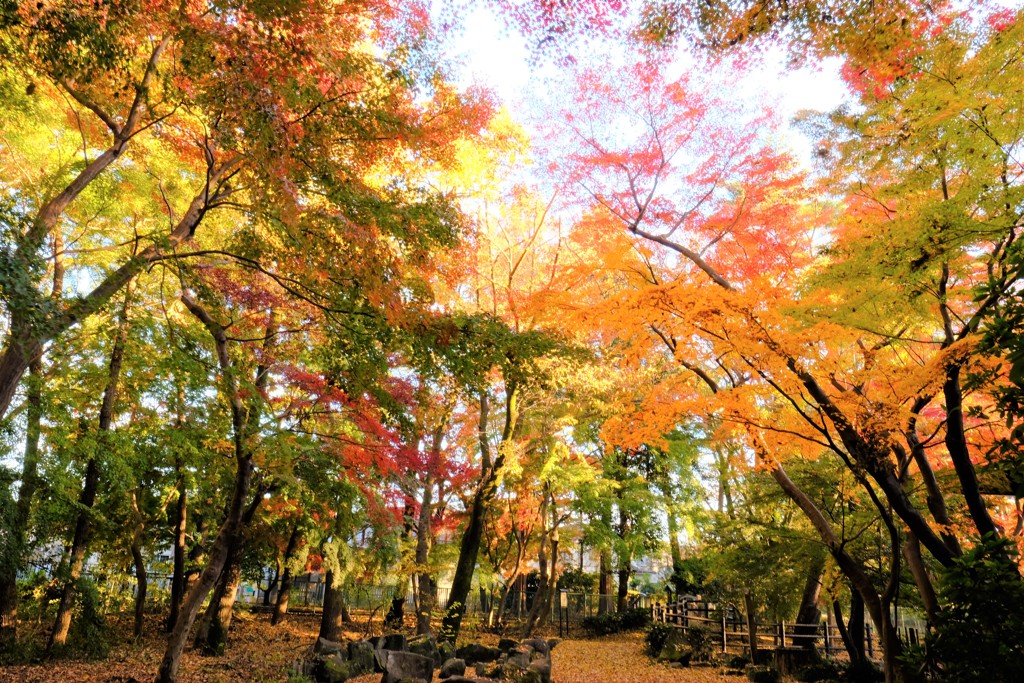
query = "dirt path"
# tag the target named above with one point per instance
(621, 660)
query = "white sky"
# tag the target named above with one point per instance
(490, 55)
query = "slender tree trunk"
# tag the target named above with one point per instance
(425, 589)
(748, 605)
(196, 557)
(809, 614)
(925, 588)
(673, 541)
(625, 571)
(212, 634)
(178, 551)
(956, 445)
(470, 547)
(604, 584)
(542, 562)
(141, 577)
(284, 591)
(87, 499)
(218, 556)
(19, 525)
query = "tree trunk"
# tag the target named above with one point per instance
(912, 553)
(470, 547)
(604, 585)
(218, 556)
(542, 561)
(748, 605)
(26, 494)
(673, 541)
(141, 578)
(809, 614)
(168, 672)
(625, 571)
(178, 571)
(425, 588)
(331, 619)
(284, 591)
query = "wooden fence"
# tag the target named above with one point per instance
(728, 629)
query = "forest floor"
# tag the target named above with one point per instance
(259, 653)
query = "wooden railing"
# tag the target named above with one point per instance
(728, 628)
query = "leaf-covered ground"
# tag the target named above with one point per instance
(259, 653)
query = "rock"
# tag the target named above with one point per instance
(426, 646)
(520, 657)
(551, 643)
(399, 666)
(543, 669)
(392, 641)
(489, 670)
(326, 648)
(360, 657)
(333, 670)
(446, 651)
(475, 652)
(538, 644)
(507, 644)
(452, 667)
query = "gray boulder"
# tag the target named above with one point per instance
(475, 652)
(543, 669)
(399, 666)
(452, 667)
(360, 657)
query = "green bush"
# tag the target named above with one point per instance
(89, 635)
(978, 639)
(657, 636)
(736, 662)
(865, 672)
(577, 581)
(617, 622)
(700, 641)
(822, 670)
(763, 673)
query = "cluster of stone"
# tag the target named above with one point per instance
(402, 660)
(528, 661)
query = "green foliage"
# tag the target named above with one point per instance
(763, 673)
(617, 622)
(89, 636)
(656, 637)
(821, 670)
(700, 641)
(577, 581)
(983, 612)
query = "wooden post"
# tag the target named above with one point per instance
(828, 643)
(782, 634)
(725, 634)
(871, 647)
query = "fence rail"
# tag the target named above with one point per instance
(728, 628)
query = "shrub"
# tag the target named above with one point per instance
(822, 670)
(617, 622)
(657, 636)
(736, 662)
(89, 635)
(699, 640)
(763, 673)
(978, 636)
(864, 672)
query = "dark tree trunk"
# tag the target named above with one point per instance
(178, 570)
(332, 618)
(540, 598)
(212, 635)
(470, 547)
(809, 614)
(141, 577)
(19, 525)
(425, 589)
(87, 499)
(748, 605)
(284, 591)
(604, 586)
(218, 556)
